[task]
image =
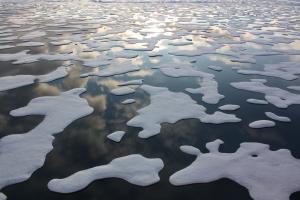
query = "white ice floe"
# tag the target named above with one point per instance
(216, 68)
(11, 82)
(276, 96)
(124, 90)
(277, 117)
(22, 154)
(285, 70)
(6, 46)
(253, 166)
(128, 101)
(32, 35)
(132, 82)
(262, 124)
(209, 86)
(135, 169)
(209, 89)
(170, 107)
(189, 150)
(116, 136)
(257, 101)
(229, 107)
(2, 196)
(114, 69)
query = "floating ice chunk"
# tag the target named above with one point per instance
(124, 90)
(277, 118)
(259, 80)
(284, 70)
(276, 96)
(262, 124)
(257, 101)
(275, 171)
(30, 44)
(11, 82)
(116, 136)
(209, 89)
(190, 150)
(22, 154)
(216, 68)
(180, 43)
(128, 101)
(114, 69)
(132, 82)
(123, 54)
(229, 107)
(2, 196)
(99, 62)
(32, 35)
(135, 168)
(294, 87)
(170, 107)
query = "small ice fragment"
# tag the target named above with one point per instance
(116, 136)
(262, 124)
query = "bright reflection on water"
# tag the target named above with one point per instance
(84, 144)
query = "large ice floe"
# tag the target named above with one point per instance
(208, 85)
(267, 174)
(276, 96)
(175, 106)
(135, 169)
(11, 82)
(285, 70)
(22, 154)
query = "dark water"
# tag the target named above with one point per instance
(83, 144)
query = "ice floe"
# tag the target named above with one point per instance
(257, 101)
(262, 124)
(22, 154)
(132, 82)
(116, 136)
(229, 107)
(276, 96)
(167, 106)
(277, 117)
(11, 82)
(285, 70)
(135, 169)
(216, 68)
(124, 90)
(253, 166)
(128, 101)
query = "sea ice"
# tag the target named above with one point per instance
(135, 168)
(22, 154)
(257, 101)
(216, 68)
(276, 96)
(128, 101)
(170, 107)
(229, 107)
(124, 90)
(116, 136)
(253, 166)
(262, 124)
(11, 82)
(277, 118)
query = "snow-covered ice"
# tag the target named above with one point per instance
(253, 166)
(124, 90)
(262, 124)
(229, 107)
(135, 168)
(116, 136)
(277, 117)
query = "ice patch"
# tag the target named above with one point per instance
(229, 107)
(116, 136)
(170, 107)
(128, 101)
(132, 82)
(276, 96)
(277, 118)
(135, 169)
(253, 166)
(124, 90)
(285, 70)
(262, 124)
(22, 154)
(257, 101)
(11, 82)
